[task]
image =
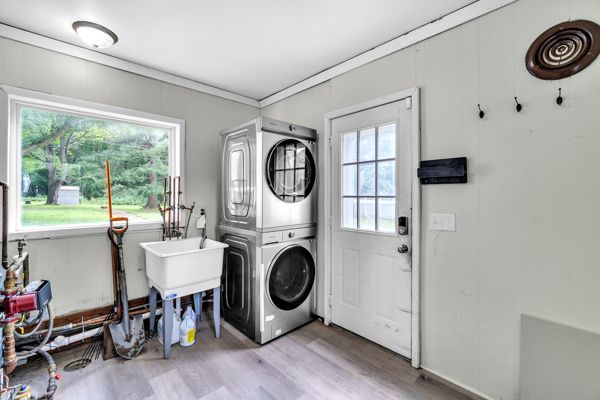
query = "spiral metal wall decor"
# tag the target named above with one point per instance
(564, 50)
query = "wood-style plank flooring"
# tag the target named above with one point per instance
(313, 362)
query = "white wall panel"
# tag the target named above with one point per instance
(468, 214)
(37, 68)
(69, 75)
(497, 206)
(526, 223)
(80, 267)
(12, 62)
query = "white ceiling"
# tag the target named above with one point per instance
(251, 47)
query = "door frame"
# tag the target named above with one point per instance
(414, 95)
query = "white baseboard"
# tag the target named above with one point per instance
(456, 383)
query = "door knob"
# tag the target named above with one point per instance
(403, 249)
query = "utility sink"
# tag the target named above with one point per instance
(178, 268)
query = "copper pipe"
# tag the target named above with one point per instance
(10, 354)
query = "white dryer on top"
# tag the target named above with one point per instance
(269, 175)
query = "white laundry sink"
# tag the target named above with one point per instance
(178, 268)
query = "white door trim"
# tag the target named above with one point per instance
(413, 93)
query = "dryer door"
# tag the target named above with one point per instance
(237, 284)
(291, 170)
(291, 277)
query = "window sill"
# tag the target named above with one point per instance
(78, 231)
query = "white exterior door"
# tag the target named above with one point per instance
(372, 224)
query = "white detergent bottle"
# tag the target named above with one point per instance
(189, 311)
(175, 331)
(187, 331)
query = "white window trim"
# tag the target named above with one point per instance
(357, 196)
(10, 100)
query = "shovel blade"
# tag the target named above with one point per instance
(128, 344)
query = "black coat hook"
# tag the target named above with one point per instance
(481, 113)
(559, 99)
(519, 107)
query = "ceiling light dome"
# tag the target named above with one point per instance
(95, 35)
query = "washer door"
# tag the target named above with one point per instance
(291, 171)
(291, 277)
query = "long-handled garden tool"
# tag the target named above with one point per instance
(128, 335)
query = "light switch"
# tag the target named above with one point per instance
(442, 222)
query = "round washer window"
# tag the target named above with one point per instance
(290, 170)
(291, 277)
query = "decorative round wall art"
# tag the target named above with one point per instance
(564, 50)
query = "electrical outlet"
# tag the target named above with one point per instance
(442, 222)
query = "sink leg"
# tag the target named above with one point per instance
(178, 307)
(167, 327)
(198, 305)
(217, 310)
(152, 297)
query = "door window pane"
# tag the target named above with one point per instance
(279, 158)
(349, 147)
(366, 147)
(366, 212)
(290, 156)
(366, 179)
(279, 183)
(349, 212)
(386, 178)
(386, 214)
(349, 180)
(386, 141)
(299, 187)
(300, 155)
(288, 188)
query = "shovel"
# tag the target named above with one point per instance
(128, 335)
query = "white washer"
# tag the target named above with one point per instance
(269, 176)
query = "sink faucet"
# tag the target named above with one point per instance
(202, 222)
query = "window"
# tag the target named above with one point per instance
(369, 179)
(57, 172)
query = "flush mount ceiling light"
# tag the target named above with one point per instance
(95, 35)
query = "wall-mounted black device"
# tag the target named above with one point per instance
(402, 226)
(447, 170)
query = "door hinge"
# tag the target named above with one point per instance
(408, 103)
(329, 140)
(330, 300)
(329, 221)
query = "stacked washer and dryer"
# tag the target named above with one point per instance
(269, 214)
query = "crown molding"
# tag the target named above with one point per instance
(452, 20)
(34, 39)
